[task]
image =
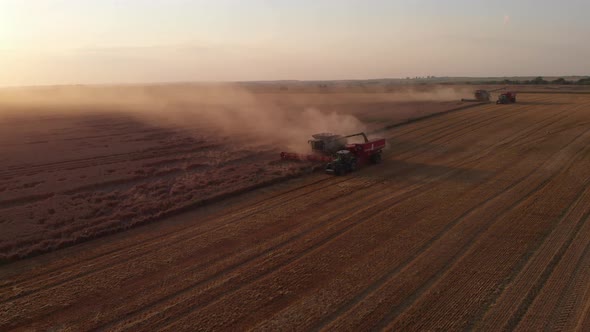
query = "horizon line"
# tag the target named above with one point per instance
(408, 78)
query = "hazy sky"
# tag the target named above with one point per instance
(102, 41)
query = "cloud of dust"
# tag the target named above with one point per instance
(429, 93)
(226, 110)
(248, 117)
(223, 109)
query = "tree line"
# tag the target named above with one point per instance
(540, 80)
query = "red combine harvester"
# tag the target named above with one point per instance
(341, 156)
(482, 95)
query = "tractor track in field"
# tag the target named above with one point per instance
(156, 247)
(439, 130)
(110, 326)
(481, 222)
(275, 326)
(490, 223)
(151, 241)
(104, 160)
(507, 141)
(374, 287)
(466, 115)
(152, 325)
(454, 257)
(538, 268)
(331, 220)
(521, 230)
(541, 275)
(126, 182)
(449, 135)
(264, 203)
(566, 278)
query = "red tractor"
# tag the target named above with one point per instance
(507, 98)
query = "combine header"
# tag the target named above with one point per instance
(341, 156)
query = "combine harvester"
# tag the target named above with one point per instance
(341, 156)
(481, 96)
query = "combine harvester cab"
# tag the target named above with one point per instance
(323, 147)
(327, 143)
(344, 162)
(479, 96)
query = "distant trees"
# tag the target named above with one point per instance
(539, 80)
(560, 80)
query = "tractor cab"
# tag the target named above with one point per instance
(506, 98)
(343, 156)
(502, 99)
(344, 162)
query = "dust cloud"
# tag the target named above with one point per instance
(430, 94)
(227, 110)
(223, 109)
